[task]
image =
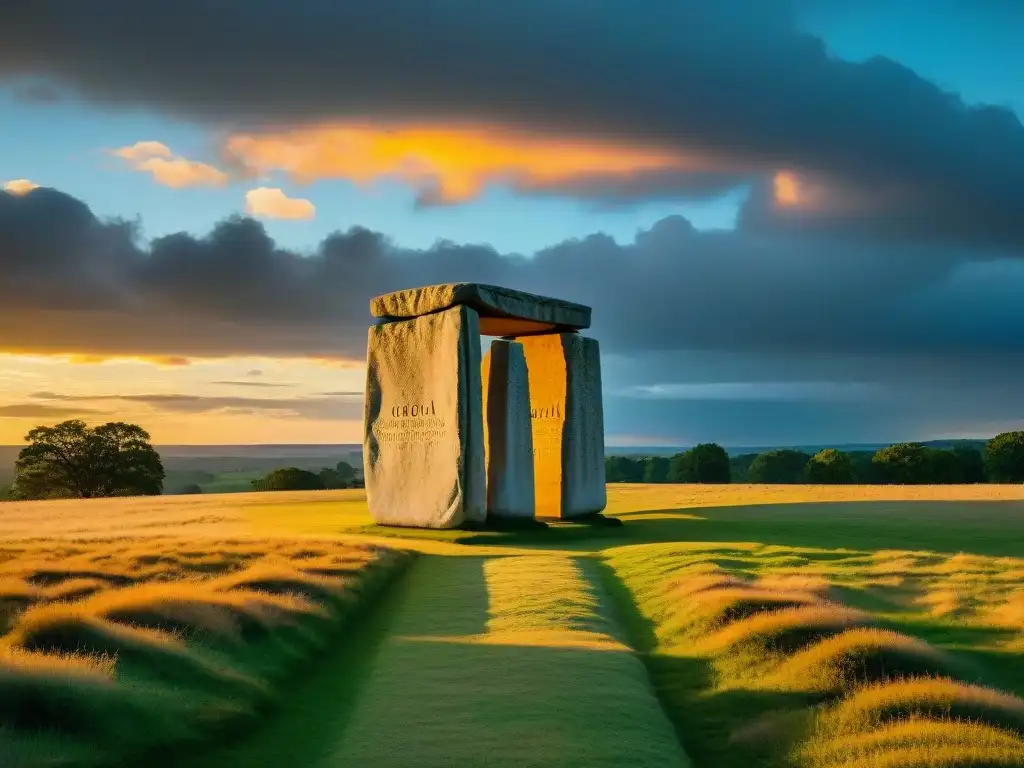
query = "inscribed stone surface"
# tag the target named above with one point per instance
(423, 439)
(503, 311)
(568, 424)
(508, 431)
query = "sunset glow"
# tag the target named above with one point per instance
(448, 165)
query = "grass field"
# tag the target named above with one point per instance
(803, 626)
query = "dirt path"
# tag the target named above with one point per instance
(475, 662)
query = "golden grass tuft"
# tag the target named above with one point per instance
(1010, 613)
(783, 631)
(857, 656)
(74, 589)
(283, 579)
(917, 741)
(183, 608)
(874, 706)
(711, 609)
(67, 629)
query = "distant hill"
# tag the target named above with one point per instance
(742, 450)
(179, 460)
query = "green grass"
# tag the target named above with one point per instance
(230, 482)
(797, 627)
(484, 662)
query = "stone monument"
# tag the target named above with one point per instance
(567, 413)
(428, 462)
(508, 433)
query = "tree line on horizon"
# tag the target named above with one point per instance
(72, 460)
(1000, 461)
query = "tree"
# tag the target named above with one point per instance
(338, 478)
(971, 464)
(781, 466)
(905, 464)
(289, 479)
(622, 469)
(1004, 458)
(70, 460)
(942, 467)
(830, 467)
(704, 463)
(655, 469)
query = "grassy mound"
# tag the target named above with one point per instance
(167, 655)
(784, 631)
(760, 663)
(857, 656)
(873, 706)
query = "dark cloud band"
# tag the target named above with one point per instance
(731, 78)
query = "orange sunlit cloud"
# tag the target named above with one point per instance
(787, 189)
(449, 165)
(817, 195)
(20, 186)
(272, 203)
(166, 168)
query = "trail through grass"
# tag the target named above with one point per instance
(500, 662)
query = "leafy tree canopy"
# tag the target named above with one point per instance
(830, 467)
(72, 460)
(781, 466)
(704, 463)
(1004, 458)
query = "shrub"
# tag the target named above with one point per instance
(289, 479)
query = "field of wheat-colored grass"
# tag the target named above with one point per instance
(112, 650)
(788, 626)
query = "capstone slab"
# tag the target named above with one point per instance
(423, 432)
(502, 311)
(567, 415)
(508, 431)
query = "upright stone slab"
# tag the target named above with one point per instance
(568, 424)
(423, 443)
(508, 432)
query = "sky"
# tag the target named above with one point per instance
(797, 221)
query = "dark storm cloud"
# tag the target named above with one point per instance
(732, 78)
(74, 284)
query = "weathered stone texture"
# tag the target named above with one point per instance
(503, 311)
(568, 424)
(508, 431)
(424, 445)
